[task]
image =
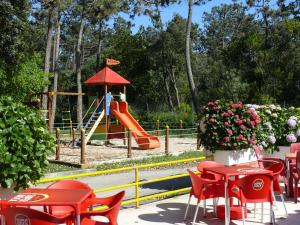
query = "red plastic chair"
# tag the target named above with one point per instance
(67, 210)
(113, 203)
(202, 189)
(277, 169)
(296, 176)
(253, 189)
(209, 164)
(22, 215)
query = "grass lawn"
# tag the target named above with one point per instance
(53, 167)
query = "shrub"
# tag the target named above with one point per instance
(229, 126)
(25, 144)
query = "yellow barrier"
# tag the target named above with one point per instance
(136, 183)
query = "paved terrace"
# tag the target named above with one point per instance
(171, 211)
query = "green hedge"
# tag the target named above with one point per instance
(25, 144)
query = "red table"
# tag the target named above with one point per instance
(52, 197)
(289, 157)
(232, 171)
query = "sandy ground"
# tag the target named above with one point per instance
(97, 152)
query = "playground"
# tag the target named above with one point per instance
(109, 132)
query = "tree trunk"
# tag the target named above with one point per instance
(78, 71)
(169, 97)
(47, 57)
(188, 58)
(99, 47)
(173, 81)
(56, 68)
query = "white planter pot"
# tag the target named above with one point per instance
(6, 193)
(280, 154)
(235, 156)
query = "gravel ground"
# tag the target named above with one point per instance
(97, 152)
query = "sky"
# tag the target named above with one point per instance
(168, 12)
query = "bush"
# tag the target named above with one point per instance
(229, 126)
(171, 119)
(25, 144)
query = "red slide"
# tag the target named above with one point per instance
(143, 139)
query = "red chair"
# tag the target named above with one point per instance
(296, 176)
(209, 164)
(202, 189)
(27, 216)
(277, 169)
(253, 189)
(113, 203)
(67, 210)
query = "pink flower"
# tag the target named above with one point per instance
(257, 121)
(229, 112)
(242, 127)
(240, 137)
(216, 108)
(236, 116)
(210, 104)
(212, 120)
(252, 123)
(237, 105)
(221, 142)
(224, 115)
(226, 123)
(254, 117)
(228, 131)
(226, 139)
(240, 122)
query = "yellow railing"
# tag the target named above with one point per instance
(136, 183)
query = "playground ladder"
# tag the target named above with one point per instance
(93, 122)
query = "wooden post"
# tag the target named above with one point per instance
(125, 135)
(57, 157)
(198, 136)
(181, 127)
(167, 140)
(71, 128)
(73, 137)
(82, 156)
(157, 128)
(129, 147)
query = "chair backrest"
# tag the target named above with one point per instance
(114, 204)
(197, 183)
(253, 188)
(27, 216)
(295, 147)
(298, 163)
(277, 167)
(69, 184)
(257, 152)
(209, 164)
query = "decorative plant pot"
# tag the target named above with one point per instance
(234, 156)
(6, 193)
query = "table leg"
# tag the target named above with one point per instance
(78, 219)
(287, 162)
(227, 206)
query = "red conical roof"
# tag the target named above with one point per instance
(106, 76)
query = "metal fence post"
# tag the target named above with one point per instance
(82, 156)
(137, 194)
(129, 147)
(57, 157)
(167, 140)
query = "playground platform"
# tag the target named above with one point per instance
(171, 211)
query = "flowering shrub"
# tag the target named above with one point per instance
(229, 126)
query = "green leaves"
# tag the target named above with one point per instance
(25, 144)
